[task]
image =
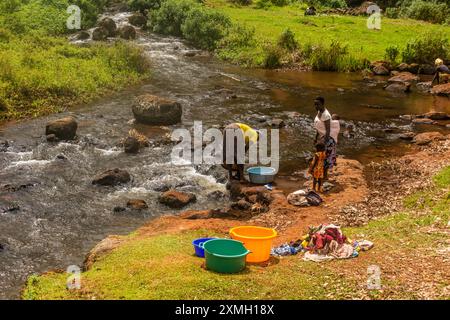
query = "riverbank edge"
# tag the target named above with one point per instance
(432, 158)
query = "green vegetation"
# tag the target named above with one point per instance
(163, 267)
(432, 11)
(42, 73)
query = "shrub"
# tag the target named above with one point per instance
(239, 46)
(272, 57)
(172, 14)
(427, 10)
(392, 54)
(263, 4)
(280, 3)
(204, 27)
(329, 3)
(143, 5)
(287, 41)
(241, 2)
(426, 49)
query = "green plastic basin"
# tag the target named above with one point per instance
(225, 255)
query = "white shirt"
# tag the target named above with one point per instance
(319, 122)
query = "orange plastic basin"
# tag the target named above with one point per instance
(257, 240)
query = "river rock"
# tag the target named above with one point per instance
(127, 32)
(112, 177)
(131, 145)
(216, 195)
(176, 199)
(422, 121)
(83, 35)
(407, 135)
(109, 25)
(402, 67)
(413, 68)
(436, 115)
(99, 34)
(4, 145)
(404, 77)
(241, 205)
(424, 86)
(138, 20)
(398, 87)
(381, 68)
(427, 69)
(441, 89)
(137, 204)
(63, 129)
(427, 137)
(277, 123)
(150, 109)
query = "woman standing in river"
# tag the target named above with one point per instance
(322, 124)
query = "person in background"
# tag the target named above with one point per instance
(442, 72)
(249, 136)
(322, 124)
(317, 167)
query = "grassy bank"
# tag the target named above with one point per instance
(349, 31)
(407, 245)
(42, 73)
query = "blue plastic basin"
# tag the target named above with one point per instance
(198, 246)
(261, 175)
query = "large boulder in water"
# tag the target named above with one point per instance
(99, 34)
(109, 25)
(138, 20)
(404, 77)
(436, 115)
(127, 32)
(150, 109)
(381, 68)
(62, 129)
(112, 177)
(441, 89)
(398, 87)
(427, 137)
(176, 199)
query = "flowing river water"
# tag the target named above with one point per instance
(50, 213)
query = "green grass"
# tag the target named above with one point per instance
(42, 73)
(348, 30)
(163, 267)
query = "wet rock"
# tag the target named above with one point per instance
(436, 115)
(216, 195)
(408, 117)
(127, 32)
(11, 208)
(190, 53)
(403, 67)
(2, 247)
(195, 215)
(138, 20)
(51, 138)
(235, 189)
(112, 177)
(61, 157)
(407, 135)
(427, 69)
(381, 68)
(427, 137)
(398, 87)
(413, 68)
(83, 35)
(441, 90)
(176, 199)
(150, 109)
(109, 26)
(99, 34)
(63, 129)
(422, 121)
(404, 77)
(131, 145)
(241, 205)
(119, 209)
(424, 86)
(4, 145)
(102, 248)
(277, 123)
(137, 204)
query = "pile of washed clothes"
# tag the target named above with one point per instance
(322, 243)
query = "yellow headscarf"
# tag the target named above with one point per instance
(249, 133)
